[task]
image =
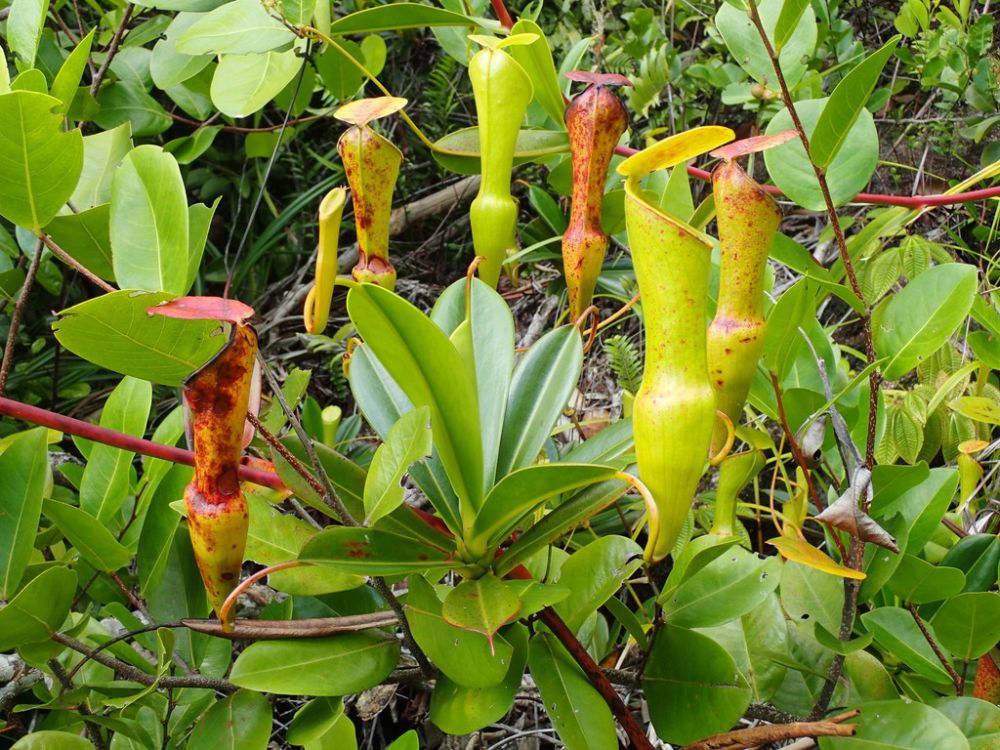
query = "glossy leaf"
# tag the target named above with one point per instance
(483, 605)
(38, 609)
(917, 581)
(127, 102)
(788, 20)
(897, 633)
(426, 365)
(845, 104)
(238, 27)
(748, 50)
(693, 686)
(115, 332)
(593, 574)
(337, 665)
(102, 152)
(979, 720)
(460, 710)
(466, 657)
(728, 587)
(398, 16)
(243, 84)
(70, 73)
(314, 719)
(543, 382)
(493, 350)
(168, 66)
(968, 625)
(899, 725)
(86, 236)
(221, 309)
(89, 537)
(536, 59)
(846, 175)
(920, 318)
(275, 538)
(149, 222)
(567, 516)
(808, 594)
(520, 492)
(24, 29)
(242, 720)
(48, 739)
(371, 552)
(578, 712)
(675, 150)
(408, 441)
(39, 163)
(105, 480)
(23, 475)
(459, 151)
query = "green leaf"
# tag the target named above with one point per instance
(466, 657)
(692, 686)
(275, 538)
(199, 223)
(916, 581)
(748, 50)
(24, 470)
(239, 27)
(969, 624)
(483, 605)
(395, 17)
(339, 75)
(567, 516)
(149, 222)
(808, 593)
(518, 493)
(114, 331)
(243, 84)
(371, 552)
(105, 480)
(845, 104)
(899, 725)
(898, 634)
(88, 536)
(979, 720)
(4, 73)
(918, 320)
(921, 498)
(408, 441)
(168, 66)
(728, 587)
(38, 610)
(39, 163)
(407, 741)
(794, 307)
(127, 102)
(70, 73)
(978, 555)
(543, 382)
(593, 574)
(493, 349)
(536, 59)
(788, 19)
(51, 740)
(577, 711)
(338, 665)
(87, 237)
(24, 29)
(426, 365)
(314, 719)
(243, 720)
(459, 151)
(846, 175)
(102, 152)
(461, 710)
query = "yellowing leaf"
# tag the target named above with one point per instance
(675, 149)
(364, 111)
(799, 550)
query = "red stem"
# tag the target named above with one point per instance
(55, 421)
(637, 737)
(907, 201)
(502, 15)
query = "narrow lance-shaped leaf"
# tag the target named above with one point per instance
(408, 441)
(845, 104)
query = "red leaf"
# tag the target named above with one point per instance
(598, 79)
(204, 308)
(753, 145)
